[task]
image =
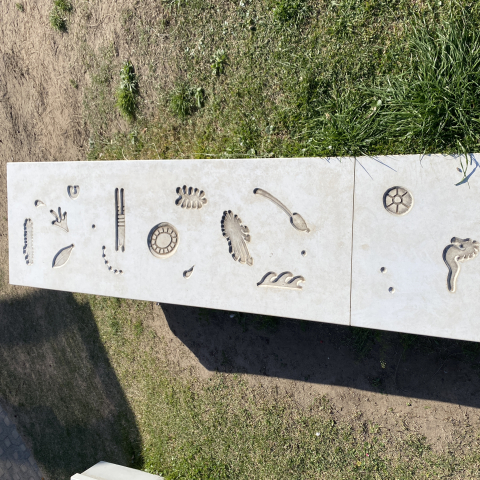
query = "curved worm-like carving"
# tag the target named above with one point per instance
(460, 250)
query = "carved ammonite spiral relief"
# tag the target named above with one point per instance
(398, 200)
(163, 240)
(190, 197)
(237, 235)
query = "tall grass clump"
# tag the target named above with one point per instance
(58, 15)
(432, 105)
(185, 100)
(127, 92)
(435, 104)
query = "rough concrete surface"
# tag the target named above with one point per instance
(16, 460)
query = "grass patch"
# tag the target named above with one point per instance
(58, 15)
(186, 100)
(58, 21)
(305, 78)
(222, 428)
(63, 6)
(20, 6)
(127, 92)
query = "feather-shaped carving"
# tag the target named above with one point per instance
(62, 256)
(190, 197)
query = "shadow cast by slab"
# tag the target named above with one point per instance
(371, 360)
(59, 388)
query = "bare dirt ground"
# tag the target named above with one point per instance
(424, 388)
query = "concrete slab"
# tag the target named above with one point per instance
(111, 471)
(400, 277)
(267, 236)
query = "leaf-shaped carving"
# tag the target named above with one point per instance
(190, 197)
(61, 258)
(237, 235)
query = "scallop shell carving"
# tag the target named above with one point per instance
(237, 235)
(62, 256)
(190, 197)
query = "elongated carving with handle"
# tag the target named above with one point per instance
(295, 218)
(460, 250)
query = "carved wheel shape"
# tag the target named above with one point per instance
(398, 200)
(163, 240)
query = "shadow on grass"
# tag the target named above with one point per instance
(57, 384)
(372, 360)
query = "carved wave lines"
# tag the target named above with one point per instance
(283, 280)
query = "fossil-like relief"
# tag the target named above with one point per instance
(60, 221)
(62, 256)
(39, 203)
(28, 241)
(120, 220)
(73, 191)
(107, 263)
(163, 240)
(460, 250)
(398, 200)
(190, 197)
(237, 236)
(188, 273)
(295, 218)
(283, 280)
